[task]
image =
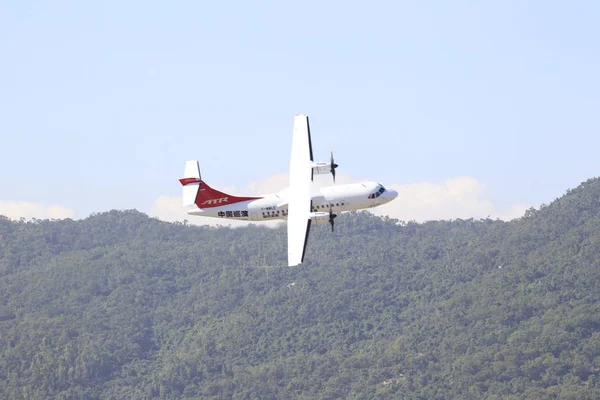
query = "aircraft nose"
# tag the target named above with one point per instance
(392, 194)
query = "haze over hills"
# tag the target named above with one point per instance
(120, 305)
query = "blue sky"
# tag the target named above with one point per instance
(102, 102)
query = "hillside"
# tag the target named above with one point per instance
(123, 306)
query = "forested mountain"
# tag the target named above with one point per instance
(123, 306)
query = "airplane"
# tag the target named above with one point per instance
(295, 204)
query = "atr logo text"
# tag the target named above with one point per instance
(216, 201)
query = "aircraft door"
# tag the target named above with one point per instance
(254, 216)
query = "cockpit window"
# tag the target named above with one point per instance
(377, 193)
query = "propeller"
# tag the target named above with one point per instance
(332, 216)
(333, 166)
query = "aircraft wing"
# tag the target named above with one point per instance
(299, 196)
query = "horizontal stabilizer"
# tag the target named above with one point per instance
(190, 182)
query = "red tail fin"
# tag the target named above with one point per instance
(208, 197)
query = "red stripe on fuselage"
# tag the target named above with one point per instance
(208, 197)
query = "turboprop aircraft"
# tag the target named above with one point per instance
(296, 204)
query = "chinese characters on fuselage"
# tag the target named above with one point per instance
(231, 214)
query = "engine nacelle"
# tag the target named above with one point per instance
(321, 168)
(319, 217)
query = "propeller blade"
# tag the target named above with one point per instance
(332, 216)
(333, 166)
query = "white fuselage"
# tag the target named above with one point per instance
(337, 198)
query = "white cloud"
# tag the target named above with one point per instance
(515, 210)
(169, 209)
(272, 184)
(24, 209)
(461, 197)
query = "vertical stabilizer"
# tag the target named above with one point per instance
(196, 191)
